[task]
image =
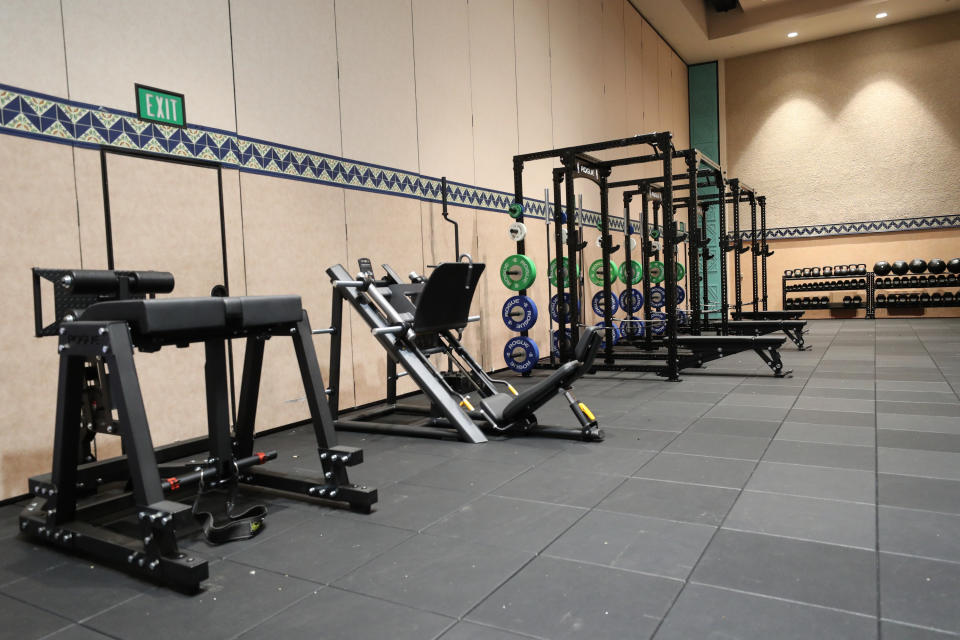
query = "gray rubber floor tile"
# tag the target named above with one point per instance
(906, 374)
(514, 451)
(564, 600)
(823, 416)
(758, 400)
(811, 572)
(822, 455)
(911, 462)
(920, 440)
(600, 458)
(472, 631)
(931, 494)
(899, 395)
(825, 381)
(915, 386)
(646, 439)
(826, 434)
(639, 419)
(747, 412)
(21, 558)
(814, 482)
(671, 500)
(411, 506)
(560, 486)
(322, 550)
(930, 424)
(734, 427)
(435, 573)
(515, 524)
(234, 599)
(333, 614)
(383, 469)
(691, 407)
(703, 611)
(920, 533)
(944, 409)
(898, 631)
(678, 467)
(709, 444)
(834, 392)
(75, 632)
(56, 589)
(844, 523)
(919, 591)
(638, 543)
(468, 475)
(24, 622)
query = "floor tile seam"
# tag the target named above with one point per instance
(429, 486)
(703, 552)
(767, 596)
(876, 492)
(77, 624)
(643, 515)
(694, 484)
(809, 497)
(64, 560)
(797, 538)
(488, 625)
(424, 531)
(916, 556)
(67, 622)
(953, 514)
(914, 625)
(930, 355)
(611, 567)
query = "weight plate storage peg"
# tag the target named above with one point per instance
(614, 334)
(631, 328)
(598, 305)
(515, 210)
(658, 297)
(655, 269)
(521, 354)
(517, 231)
(518, 272)
(631, 300)
(560, 307)
(658, 323)
(519, 313)
(681, 294)
(631, 272)
(595, 273)
(556, 338)
(552, 272)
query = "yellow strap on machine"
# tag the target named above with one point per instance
(512, 390)
(587, 412)
(466, 404)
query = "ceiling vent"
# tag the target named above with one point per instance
(722, 6)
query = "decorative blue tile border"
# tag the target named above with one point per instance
(44, 117)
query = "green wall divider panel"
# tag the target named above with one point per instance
(705, 136)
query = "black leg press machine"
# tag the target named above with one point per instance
(127, 511)
(413, 321)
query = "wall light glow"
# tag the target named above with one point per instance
(881, 15)
(792, 34)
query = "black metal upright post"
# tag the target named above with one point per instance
(693, 244)
(724, 250)
(605, 255)
(737, 284)
(563, 309)
(665, 146)
(754, 251)
(763, 250)
(569, 165)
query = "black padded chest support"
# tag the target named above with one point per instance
(185, 315)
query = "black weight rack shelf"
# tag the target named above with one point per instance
(869, 289)
(918, 285)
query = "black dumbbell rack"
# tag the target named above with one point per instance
(869, 299)
(951, 282)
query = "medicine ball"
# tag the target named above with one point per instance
(861, 269)
(918, 266)
(936, 265)
(882, 268)
(900, 267)
(954, 265)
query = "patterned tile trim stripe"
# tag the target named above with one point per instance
(36, 115)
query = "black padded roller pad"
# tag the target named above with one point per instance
(94, 281)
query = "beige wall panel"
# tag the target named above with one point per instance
(438, 246)
(378, 103)
(31, 49)
(681, 102)
(494, 93)
(185, 47)
(39, 225)
(89, 184)
(385, 229)
(441, 36)
(651, 78)
(233, 227)
(614, 67)
(166, 216)
(859, 249)
(866, 122)
(285, 61)
(633, 63)
(293, 231)
(665, 86)
(534, 115)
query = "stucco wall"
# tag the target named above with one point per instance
(859, 127)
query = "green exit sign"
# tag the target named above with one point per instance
(159, 105)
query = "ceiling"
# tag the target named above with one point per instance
(700, 34)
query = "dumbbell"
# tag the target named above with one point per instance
(847, 301)
(824, 302)
(914, 281)
(925, 298)
(861, 282)
(881, 300)
(936, 299)
(896, 281)
(857, 301)
(951, 280)
(914, 298)
(888, 281)
(949, 298)
(805, 301)
(941, 279)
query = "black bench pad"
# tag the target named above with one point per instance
(768, 315)
(184, 315)
(747, 342)
(751, 325)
